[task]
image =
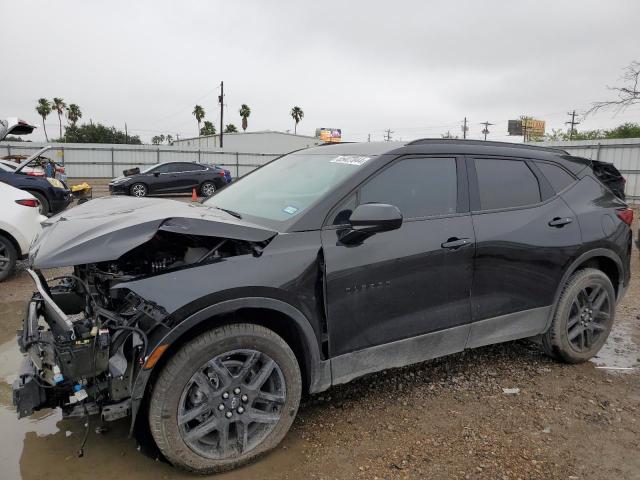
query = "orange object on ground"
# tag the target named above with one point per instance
(194, 195)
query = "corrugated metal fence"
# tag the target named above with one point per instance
(88, 160)
(623, 153)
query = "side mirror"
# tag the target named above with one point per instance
(369, 219)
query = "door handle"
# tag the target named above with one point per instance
(559, 222)
(454, 243)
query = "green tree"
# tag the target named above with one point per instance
(626, 130)
(98, 133)
(169, 138)
(245, 111)
(208, 129)
(297, 114)
(230, 128)
(156, 140)
(198, 112)
(59, 106)
(74, 114)
(44, 109)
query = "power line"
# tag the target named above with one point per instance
(573, 123)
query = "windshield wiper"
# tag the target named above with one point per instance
(230, 212)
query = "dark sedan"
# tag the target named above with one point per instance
(171, 177)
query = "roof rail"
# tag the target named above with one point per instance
(457, 141)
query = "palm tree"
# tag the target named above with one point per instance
(198, 112)
(74, 114)
(156, 140)
(245, 111)
(59, 106)
(297, 114)
(230, 128)
(169, 138)
(44, 109)
(208, 129)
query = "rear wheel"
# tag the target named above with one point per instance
(583, 319)
(138, 190)
(43, 206)
(225, 398)
(207, 189)
(8, 257)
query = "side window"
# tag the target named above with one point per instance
(506, 183)
(162, 168)
(558, 177)
(419, 187)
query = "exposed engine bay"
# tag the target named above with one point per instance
(86, 342)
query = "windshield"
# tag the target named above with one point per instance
(286, 187)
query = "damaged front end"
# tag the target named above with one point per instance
(85, 339)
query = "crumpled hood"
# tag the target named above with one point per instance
(106, 228)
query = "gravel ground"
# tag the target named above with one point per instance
(444, 419)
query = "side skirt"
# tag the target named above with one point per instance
(400, 353)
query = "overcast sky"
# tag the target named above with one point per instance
(416, 67)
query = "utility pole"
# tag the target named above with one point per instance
(369, 138)
(573, 123)
(221, 100)
(126, 134)
(485, 130)
(387, 135)
(464, 128)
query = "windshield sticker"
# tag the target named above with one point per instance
(290, 210)
(350, 160)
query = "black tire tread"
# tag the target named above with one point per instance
(13, 255)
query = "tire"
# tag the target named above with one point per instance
(138, 190)
(583, 319)
(207, 189)
(188, 379)
(8, 257)
(44, 203)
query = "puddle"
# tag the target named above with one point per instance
(621, 353)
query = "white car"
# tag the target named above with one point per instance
(19, 226)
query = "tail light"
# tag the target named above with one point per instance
(221, 174)
(34, 173)
(28, 202)
(626, 215)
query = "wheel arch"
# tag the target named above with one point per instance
(280, 317)
(13, 241)
(602, 259)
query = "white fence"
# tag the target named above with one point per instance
(623, 153)
(88, 160)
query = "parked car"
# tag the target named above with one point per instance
(171, 177)
(19, 225)
(53, 195)
(207, 322)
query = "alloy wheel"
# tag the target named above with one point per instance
(231, 404)
(5, 260)
(139, 190)
(588, 317)
(208, 189)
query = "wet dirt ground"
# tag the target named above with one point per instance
(442, 419)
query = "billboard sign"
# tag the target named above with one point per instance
(533, 127)
(329, 135)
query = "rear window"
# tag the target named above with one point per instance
(558, 177)
(506, 183)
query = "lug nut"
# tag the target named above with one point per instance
(221, 407)
(228, 414)
(236, 390)
(225, 395)
(244, 398)
(240, 409)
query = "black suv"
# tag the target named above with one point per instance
(207, 322)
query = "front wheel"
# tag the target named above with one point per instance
(225, 398)
(583, 319)
(139, 190)
(8, 257)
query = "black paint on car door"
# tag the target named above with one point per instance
(409, 281)
(526, 236)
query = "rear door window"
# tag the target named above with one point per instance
(557, 176)
(506, 183)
